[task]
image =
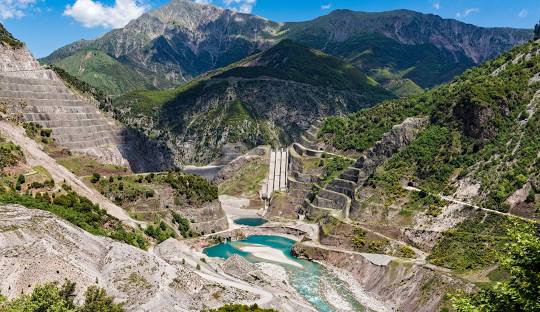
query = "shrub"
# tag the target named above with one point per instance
(95, 177)
(51, 297)
(407, 252)
(359, 239)
(183, 224)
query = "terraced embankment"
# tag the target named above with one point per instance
(338, 195)
(36, 94)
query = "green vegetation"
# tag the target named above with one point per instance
(240, 308)
(246, 181)
(38, 133)
(7, 38)
(426, 65)
(475, 130)
(407, 252)
(422, 201)
(191, 189)
(183, 225)
(521, 258)
(10, 154)
(359, 238)
(473, 244)
(288, 60)
(159, 231)
(51, 297)
(332, 167)
(122, 189)
(81, 212)
(101, 72)
(360, 130)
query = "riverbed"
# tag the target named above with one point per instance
(314, 282)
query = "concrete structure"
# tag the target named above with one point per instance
(277, 173)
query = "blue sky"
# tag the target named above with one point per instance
(46, 25)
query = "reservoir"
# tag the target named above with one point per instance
(250, 221)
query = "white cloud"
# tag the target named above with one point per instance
(14, 8)
(326, 6)
(244, 6)
(203, 1)
(523, 13)
(467, 12)
(436, 5)
(92, 13)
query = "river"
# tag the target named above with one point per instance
(310, 279)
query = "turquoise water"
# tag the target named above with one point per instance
(250, 221)
(306, 280)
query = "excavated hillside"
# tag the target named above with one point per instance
(439, 177)
(37, 247)
(32, 93)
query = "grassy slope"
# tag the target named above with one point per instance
(475, 133)
(291, 61)
(104, 72)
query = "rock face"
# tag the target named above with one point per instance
(38, 95)
(182, 39)
(406, 286)
(36, 247)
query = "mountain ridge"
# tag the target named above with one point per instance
(267, 98)
(173, 44)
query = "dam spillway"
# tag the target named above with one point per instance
(277, 174)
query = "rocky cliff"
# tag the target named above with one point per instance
(174, 43)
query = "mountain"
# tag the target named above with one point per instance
(448, 171)
(424, 48)
(178, 41)
(269, 97)
(402, 49)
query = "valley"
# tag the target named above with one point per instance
(202, 159)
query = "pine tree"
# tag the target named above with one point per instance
(537, 31)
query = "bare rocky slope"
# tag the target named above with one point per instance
(174, 43)
(37, 247)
